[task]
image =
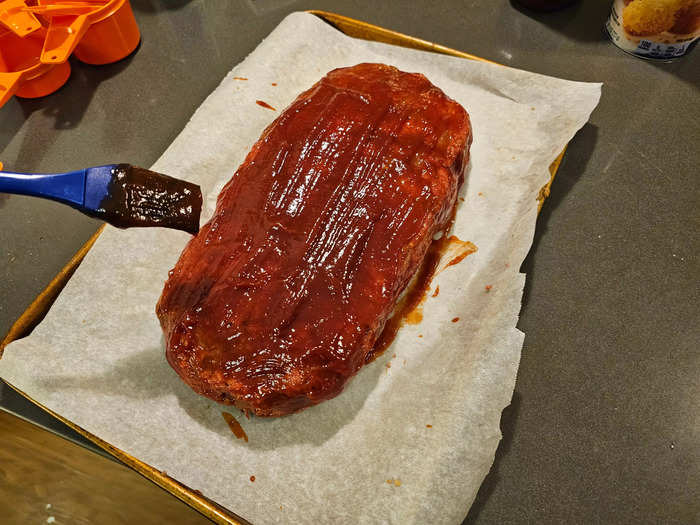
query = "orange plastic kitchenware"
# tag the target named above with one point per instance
(38, 36)
(96, 31)
(113, 35)
(16, 19)
(21, 71)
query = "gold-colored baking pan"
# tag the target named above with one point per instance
(36, 311)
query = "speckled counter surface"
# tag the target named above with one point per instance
(604, 426)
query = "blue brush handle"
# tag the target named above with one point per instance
(68, 188)
(81, 189)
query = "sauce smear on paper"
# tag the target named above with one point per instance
(265, 105)
(235, 426)
(457, 250)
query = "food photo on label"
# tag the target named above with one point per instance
(655, 29)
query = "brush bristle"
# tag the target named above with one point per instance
(141, 198)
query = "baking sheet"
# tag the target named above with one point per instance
(97, 358)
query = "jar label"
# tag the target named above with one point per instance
(664, 29)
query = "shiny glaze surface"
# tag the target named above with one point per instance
(280, 298)
(143, 198)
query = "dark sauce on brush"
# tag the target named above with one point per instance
(140, 198)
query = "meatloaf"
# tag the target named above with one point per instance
(279, 299)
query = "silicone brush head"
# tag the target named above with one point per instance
(127, 196)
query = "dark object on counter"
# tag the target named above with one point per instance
(545, 5)
(121, 194)
(280, 298)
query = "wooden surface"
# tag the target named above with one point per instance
(44, 476)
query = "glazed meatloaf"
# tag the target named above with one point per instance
(279, 299)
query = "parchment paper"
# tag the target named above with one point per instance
(98, 356)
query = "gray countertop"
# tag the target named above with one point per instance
(604, 426)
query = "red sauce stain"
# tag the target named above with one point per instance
(415, 316)
(235, 426)
(429, 426)
(457, 259)
(488, 287)
(461, 199)
(274, 83)
(420, 335)
(455, 319)
(388, 365)
(265, 105)
(240, 78)
(480, 194)
(456, 251)
(436, 292)
(252, 479)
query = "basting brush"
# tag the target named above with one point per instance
(123, 195)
